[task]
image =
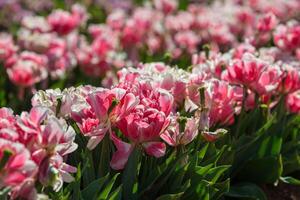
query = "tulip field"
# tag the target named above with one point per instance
(149, 99)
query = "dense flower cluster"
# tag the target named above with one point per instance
(154, 28)
(244, 55)
(139, 112)
(32, 148)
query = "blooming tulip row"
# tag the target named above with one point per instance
(230, 77)
(53, 45)
(143, 110)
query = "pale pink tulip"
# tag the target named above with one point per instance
(293, 102)
(174, 137)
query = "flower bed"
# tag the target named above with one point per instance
(150, 100)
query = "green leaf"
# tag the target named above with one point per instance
(130, 174)
(186, 185)
(93, 188)
(75, 185)
(105, 193)
(159, 181)
(291, 162)
(117, 194)
(220, 189)
(246, 191)
(203, 151)
(290, 180)
(202, 190)
(266, 146)
(266, 170)
(105, 157)
(177, 179)
(203, 170)
(215, 173)
(4, 193)
(170, 196)
(88, 175)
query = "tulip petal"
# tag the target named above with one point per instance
(14, 178)
(94, 141)
(165, 101)
(156, 149)
(168, 139)
(38, 114)
(120, 157)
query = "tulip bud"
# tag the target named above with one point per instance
(213, 136)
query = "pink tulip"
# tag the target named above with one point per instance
(60, 59)
(64, 22)
(220, 98)
(105, 108)
(8, 128)
(48, 139)
(53, 172)
(290, 79)
(167, 6)
(90, 63)
(293, 102)
(174, 137)
(144, 124)
(187, 40)
(212, 136)
(16, 164)
(57, 137)
(267, 22)
(268, 81)
(286, 37)
(36, 24)
(240, 50)
(116, 19)
(142, 127)
(29, 126)
(27, 69)
(131, 34)
(7, 119)
(245, 71)
(7, 47)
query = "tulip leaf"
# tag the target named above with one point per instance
(170, 196)
(290, 180)
(220, 188)
(117, 194)
(106, 191)
(215, 173)
(266, 170)
(4, 193)
(91, 190)
(203, 170)
(130, 174)
(103, 167)
(246, 191)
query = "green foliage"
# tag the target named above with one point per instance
(246, 191)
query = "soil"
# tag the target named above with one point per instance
(282, 192)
